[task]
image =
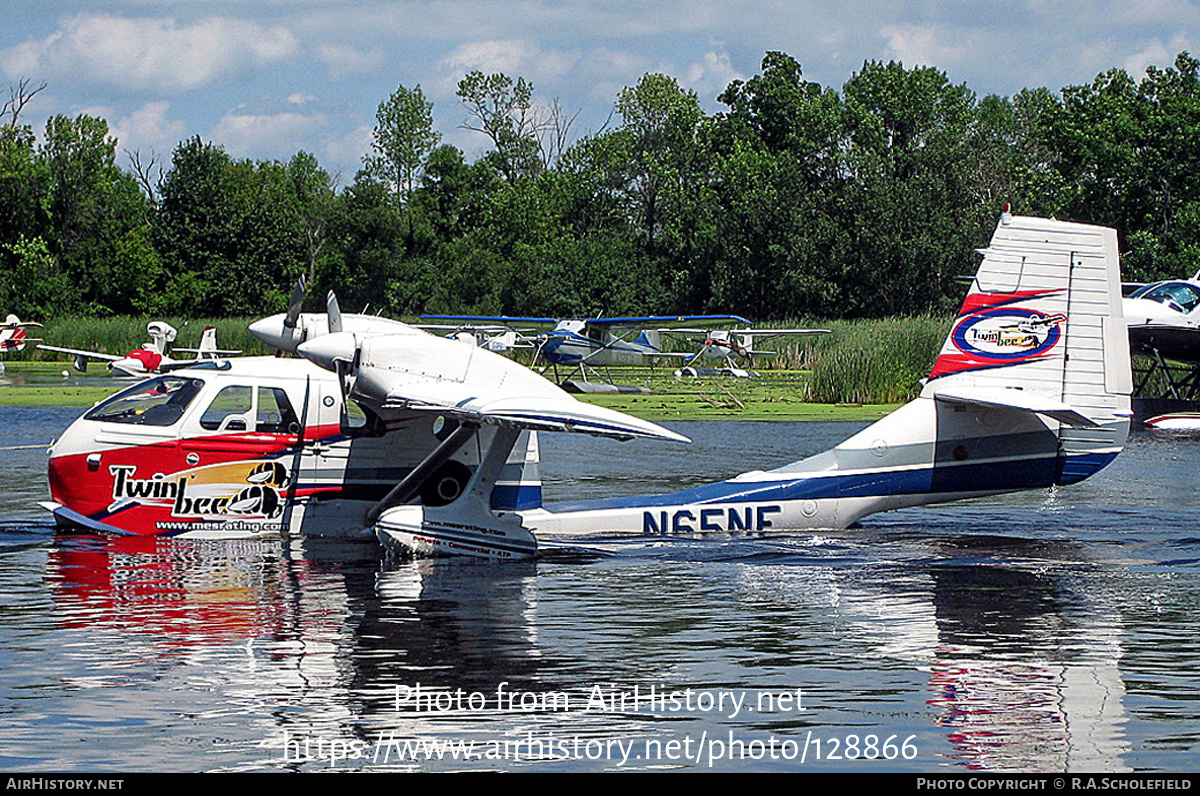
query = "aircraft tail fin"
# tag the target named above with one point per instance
(1043, 316)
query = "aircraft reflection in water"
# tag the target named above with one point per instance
(303, 640)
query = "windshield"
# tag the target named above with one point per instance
(1181, 295)
(155, 402)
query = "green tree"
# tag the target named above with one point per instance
(402, 140)
(502, 109)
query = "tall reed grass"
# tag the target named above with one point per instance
(875, 361)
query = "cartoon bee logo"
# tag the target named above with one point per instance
(268, 473)
(256, 499)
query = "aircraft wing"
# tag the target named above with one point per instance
(769, 333)
(663, 320)
(503, 321)
(1014, 398)
(1180, 343)
(421, 371)
(85, 354)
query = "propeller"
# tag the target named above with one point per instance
(293, 307)
(334, 313)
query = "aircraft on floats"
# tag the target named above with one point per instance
(1164, 327)
(735, 348)
(152, 357)
(271, 445)
(13, 336)
(1031, 389)
(583, 345)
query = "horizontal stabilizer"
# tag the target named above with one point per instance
(1014, 398)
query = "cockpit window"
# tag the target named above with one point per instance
(229, 410)
(1180, 295)
(275, 415)
(155, 402)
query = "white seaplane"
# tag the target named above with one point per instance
(1031, 389)
(152, 357)
(734, 349)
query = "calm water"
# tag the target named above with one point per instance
(1048, 631)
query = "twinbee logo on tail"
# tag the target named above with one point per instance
(1009, 334)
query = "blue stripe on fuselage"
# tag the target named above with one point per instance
(1012, 474)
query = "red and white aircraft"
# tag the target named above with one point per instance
(152, 357)
(13, 337)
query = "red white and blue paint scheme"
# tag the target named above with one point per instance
(270, 445)
(255, 446)
(1031, 390)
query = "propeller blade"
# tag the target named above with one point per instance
(334, 313)
(293, 307)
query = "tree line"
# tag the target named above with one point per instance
(796, 200)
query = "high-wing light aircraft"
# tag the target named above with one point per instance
(1031, 389)
(1164, 327)
(735, 347)
(270, 445)
(152, 357)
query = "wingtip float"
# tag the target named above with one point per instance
(1030, 389)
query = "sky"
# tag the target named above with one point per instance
(267, 78)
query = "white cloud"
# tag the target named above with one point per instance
(268, 135)
(711, 75)
(510, 56)
(928, 45)
(149, 128)
(149, 54)
(343, 60)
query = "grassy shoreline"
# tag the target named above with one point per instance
(776, 395)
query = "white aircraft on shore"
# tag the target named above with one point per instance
(152, 357)
(1031, 389)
